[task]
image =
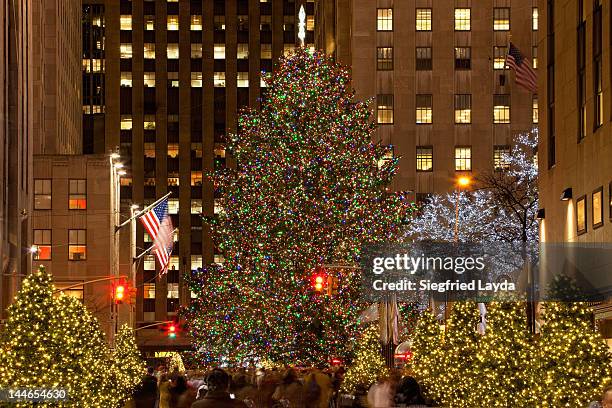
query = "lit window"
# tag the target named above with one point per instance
(219, 151)
(384, 58)
(424, 109)
(149, 23)
(501, 19)
(463, 58)
(125, 22)
(172, 50)
(173, 290)
(499, 57)
(243, 51)
(149, 79)
(534, 110)
(196, 206)
(149, 124)
(125, 182)
(463, 158)
(310, 23)
(217, 207)
(196, 178)
(501, 108)
(77, 199)
(462, 19)
(463, 108)
(77, 245)
(173, 23)
(386, 158)
(42, 194)
(126, 79)
(423, 19)
(243, 22)
(196, 22)
(173, 150)
(218, 259)
(266, 51)
(149, 50)
(423, 59)
(149, 288)
(173, 206)
(196, 50)
(384, 19)
(70, 289)
(126, 122)
(289, 23)
(219, 23)
(242, 80)
(384, 106)
(288, 49)
(597, 205)
(196, 79)
(149, 182)
(219, 79)
(534, 57)
(534, 19)
(149, 262)
(501, 155)
(42, 244)
(196, 262)
(581, 215)
(219, 51)
(424, 158)
(265, 23)
(125, 50)
(173, 265)
(149, 150)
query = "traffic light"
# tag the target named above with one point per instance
(319, 280)
(172, 331)
(120, 291)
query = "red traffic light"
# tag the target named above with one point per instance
(171, 330)
(319, 279)
(120, 291)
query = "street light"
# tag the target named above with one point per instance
(464, 181)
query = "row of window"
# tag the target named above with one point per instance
(463, 19)
(77, 244)
(597, 212)
(172, 52)
(463, 158)
(463, 109)
(242, 80)
(77, 194)
(463, 58)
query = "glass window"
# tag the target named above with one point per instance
(149, 150)
(42, 244)
(581, 211)
(384, 105)
(534, 57)
(125, 50)
(242, 79)
(77, 199)
(534, 110)
(384, 19)
(196, 206)
(463, 158)
(42, 194)
(288, 49)
(149, 289)
(125, 22)
(219, 51)
(70, 289)
(463, 57)
(173, 150)
(77, 244)
(219, 79)
(149, 50)
(424, 109)
(173, 22)
(462, 19)
(219, 23)
(196, 79)
(597, 205)
(384, 58)
(501, 108)
(265, 23)
(501, 155)
(217, 207)
(196, 50)
(173, 206)
(196, 22)
(149, 23)
(534, 18)
(173, 290)
(196, 262)
(126, 122)
(501, 19)
(149, 261)
(149, 124)
(463, 108)
(499, 57)
(196, 178)
(310, 22)
(173, 82)
(423, 59)
(173, 50)
(242, 51)
(424, 158)
(149, 79)
(266, 51)
(218, 259)
(126, 79)
(423, 19)
(242, 22)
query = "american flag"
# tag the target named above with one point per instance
(524, 75)
(158, 224)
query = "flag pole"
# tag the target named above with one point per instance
(508, 41)
(143, 211)
(149, 249)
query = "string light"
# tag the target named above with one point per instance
(368, 364)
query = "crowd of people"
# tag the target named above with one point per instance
(273, 388)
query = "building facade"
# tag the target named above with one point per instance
(575, 148)
(162, 83)
(435, 74)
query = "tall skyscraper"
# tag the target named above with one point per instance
(162, 83)
(435, 74)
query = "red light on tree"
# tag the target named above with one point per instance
(336, 361)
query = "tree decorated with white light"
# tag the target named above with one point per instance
(128, 365)
(427, 355)
(368, 363)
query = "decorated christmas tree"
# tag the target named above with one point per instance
(427, 355)
(309, 188)
(128, 365)
(574, 361)
(504, 366)
(368, 363)
(176, 363)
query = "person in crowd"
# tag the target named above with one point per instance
(290, 390)
(317, 389)
(381, 393)
(606, 399)
(408, 393)
(145, 395)
(164, 391)
(217, 395)
(267, 380)
(181, 395)
(242, 390)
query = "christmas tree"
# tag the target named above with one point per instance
(309, 189)
(128, 366)
(176, 363)
(574, 361)
(427, 355)
(505, 352)
(368, 363)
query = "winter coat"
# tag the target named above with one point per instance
(292, 392)
(380, 395)
(325, 385)
(218, 399)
